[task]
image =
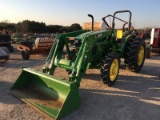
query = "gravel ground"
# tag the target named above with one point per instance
(133, 97)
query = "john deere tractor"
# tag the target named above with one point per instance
(76, 52)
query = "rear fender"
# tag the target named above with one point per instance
(23, 48)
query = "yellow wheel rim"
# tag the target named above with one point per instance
(140, 55)
(114, 70)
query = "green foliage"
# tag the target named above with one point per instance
(62, 29)
(53, 28)
(75, 27)
(7, 26)
(27, 26)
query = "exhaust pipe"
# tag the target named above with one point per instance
(89, 15)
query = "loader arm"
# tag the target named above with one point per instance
(77, 63)
(57, 48)
(77, 67)
(81, 62)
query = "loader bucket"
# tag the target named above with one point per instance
(50, 95)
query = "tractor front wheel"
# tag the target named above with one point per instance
(110, 68)
(134, 54)
(25, 54)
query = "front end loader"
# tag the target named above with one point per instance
(76, 52)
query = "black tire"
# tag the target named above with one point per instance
(11, 49)
(134, 54)
(148, 52)
(25, 54)
(110, 68)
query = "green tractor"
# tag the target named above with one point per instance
(76, 52)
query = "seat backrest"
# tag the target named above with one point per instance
(119, 34)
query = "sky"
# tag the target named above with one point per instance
(145, 13)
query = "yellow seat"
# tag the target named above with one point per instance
(119, 34)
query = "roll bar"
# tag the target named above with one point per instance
(114, 17)
(122, 11)
(125, 22)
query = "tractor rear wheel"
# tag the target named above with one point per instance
(134, 54)
(110, 68)
(25, 54)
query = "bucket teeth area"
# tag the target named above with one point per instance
(49, 95)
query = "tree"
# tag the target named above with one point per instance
(7, 26)
(27, 26)
(53, 28)
(75, 27)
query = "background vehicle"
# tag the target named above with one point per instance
(155, 40)
(76, 52)
(40, 45)
(5, 41)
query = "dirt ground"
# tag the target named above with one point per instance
(133, 97)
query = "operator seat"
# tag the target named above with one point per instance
(119, 36)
